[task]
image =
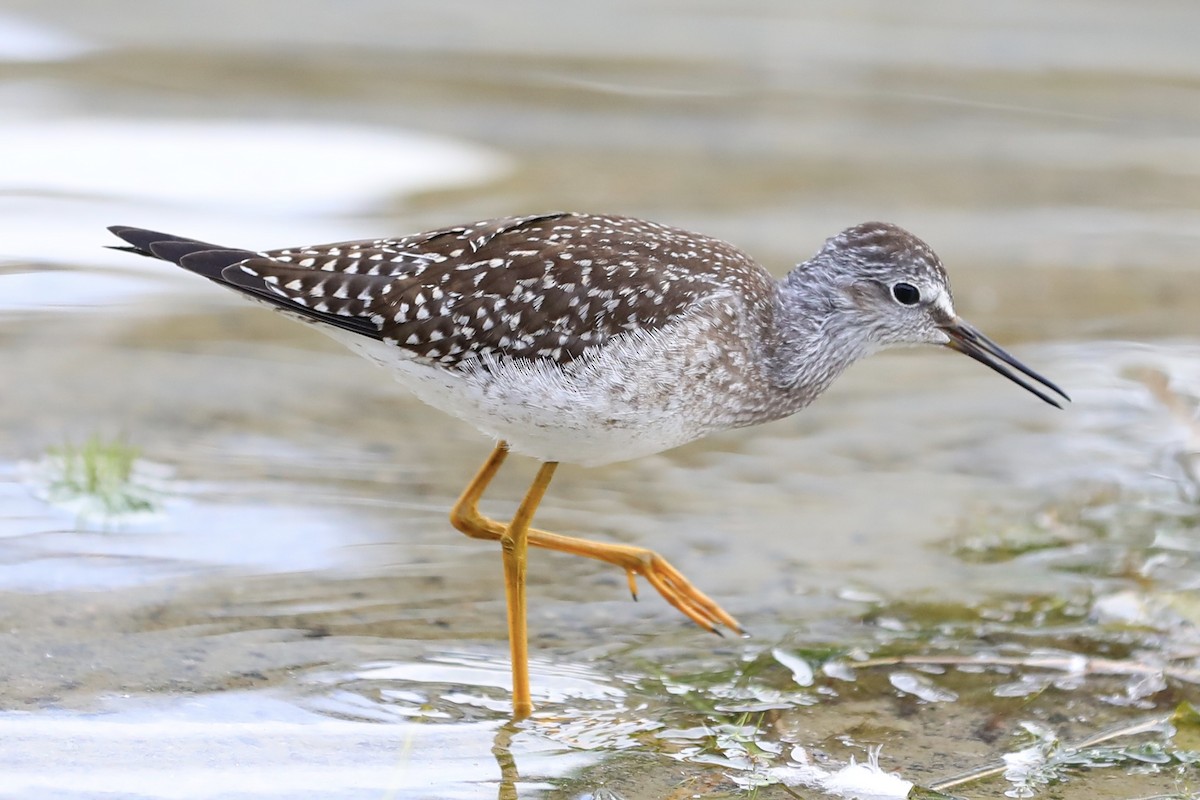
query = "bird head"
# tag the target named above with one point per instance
(894, 290)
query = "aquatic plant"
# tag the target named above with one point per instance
(101, 481)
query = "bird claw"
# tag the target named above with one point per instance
(679, 592)
(631, 575)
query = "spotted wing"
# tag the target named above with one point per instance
(545, 287)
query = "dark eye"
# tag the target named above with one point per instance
(906, 294)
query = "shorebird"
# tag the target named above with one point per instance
(590, 339)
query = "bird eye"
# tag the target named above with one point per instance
(906, 294)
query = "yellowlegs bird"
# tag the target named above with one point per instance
(591, 339)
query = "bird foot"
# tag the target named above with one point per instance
(670, 583)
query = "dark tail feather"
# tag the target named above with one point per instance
(210, 261)
(203, 259)
(199, 257)
(141, 239)
(127, 249)
(176, 250)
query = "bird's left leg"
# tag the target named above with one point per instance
(670, 582)
(465, 514)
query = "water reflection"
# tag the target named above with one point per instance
(250, 744)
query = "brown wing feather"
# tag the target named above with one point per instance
(545, 287)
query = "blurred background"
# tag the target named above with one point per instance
(225, 565)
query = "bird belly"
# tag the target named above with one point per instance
(545, 416)
(640, 395)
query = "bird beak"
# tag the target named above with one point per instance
(967, 340)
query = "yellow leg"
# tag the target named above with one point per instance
(514, 546)
(670, 583)
(465, 513)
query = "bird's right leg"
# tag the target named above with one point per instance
(670, 582)
(513, 544)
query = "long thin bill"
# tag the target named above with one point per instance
(969, 341)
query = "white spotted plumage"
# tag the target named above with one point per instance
(589, 338)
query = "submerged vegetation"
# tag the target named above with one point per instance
(1089, 690)
(102, 482)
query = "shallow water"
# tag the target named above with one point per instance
(299, 619)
